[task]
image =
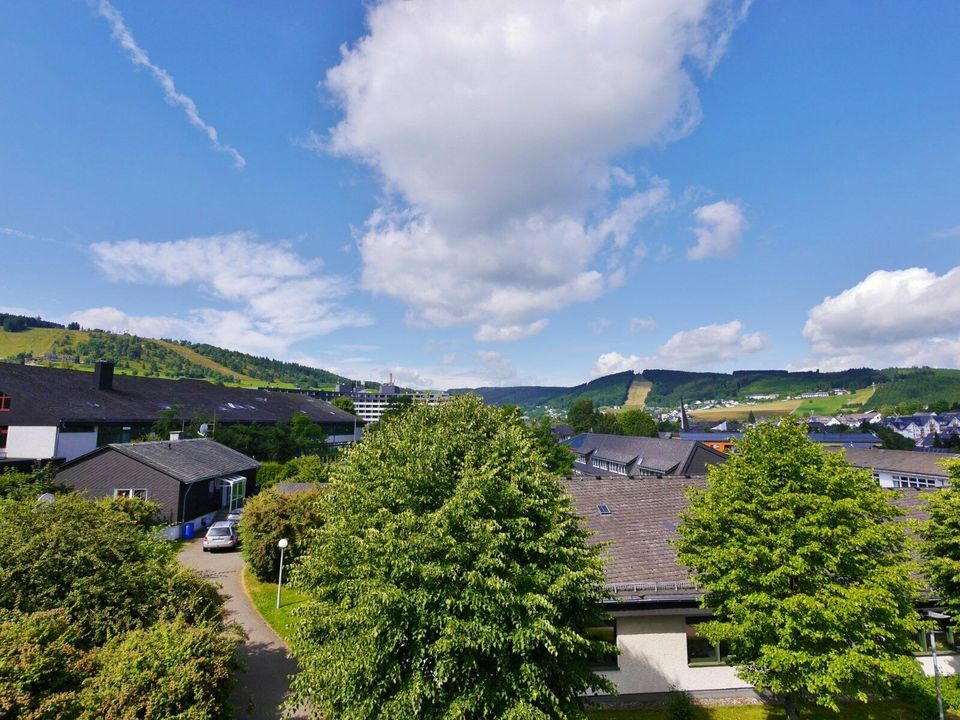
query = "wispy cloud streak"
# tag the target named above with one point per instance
(121, 33)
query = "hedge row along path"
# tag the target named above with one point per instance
(263, 682)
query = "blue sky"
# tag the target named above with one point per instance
(467, 193)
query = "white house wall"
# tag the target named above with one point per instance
(31, 441)
(653, 659)
(72, 445)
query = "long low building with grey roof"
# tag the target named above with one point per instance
(190, 479)
(631, 456)
(49, 413)
(899, 469)
(654, 607)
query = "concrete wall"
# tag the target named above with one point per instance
(653, 657)
(73, 445)
(25, 441)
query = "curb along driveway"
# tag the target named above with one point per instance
(263, 682)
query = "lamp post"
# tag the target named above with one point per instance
(282, 544)
(933, 649)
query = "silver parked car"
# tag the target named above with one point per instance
(220, 536)
(234, 517)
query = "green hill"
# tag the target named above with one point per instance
(605, 391)
(135, 355)
(670, 386)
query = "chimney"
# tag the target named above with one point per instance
(103, 375)
(176, 435)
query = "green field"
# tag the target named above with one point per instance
(852, 711)
(776, 408)
(264, 597)
(38, 341)
(833, 404)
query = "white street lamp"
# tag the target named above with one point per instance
(933, 615)
(282, 544)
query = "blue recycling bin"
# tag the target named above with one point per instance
(188, 531)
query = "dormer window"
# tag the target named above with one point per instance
(4, 402)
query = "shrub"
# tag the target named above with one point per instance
(679, 706)
(270, 473)
(97, 561)
(270, 516)
(40, 666)
(170, 670)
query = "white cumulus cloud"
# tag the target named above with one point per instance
(494, 126)
(507, 333)
(138, 56)
(274, 297)
(898, 317)
(702, 348)
(719, 229)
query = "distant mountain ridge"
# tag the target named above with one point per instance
(26, 338)
(893, 386)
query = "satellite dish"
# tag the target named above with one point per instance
(46, 499)
(202, 430)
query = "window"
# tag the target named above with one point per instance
(4, 402)
(905, 481)
(3, 436)
(130, 493)
(607, 634)
(610, 466)
(701, 651)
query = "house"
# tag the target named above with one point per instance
(655, 610)
(561, 431)
(190, 479)
(599, 454)
(901, 468)
(845, 439)
(48, 413)
(723, 442)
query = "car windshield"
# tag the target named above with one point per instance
(220, 532)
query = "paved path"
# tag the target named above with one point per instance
(264, 681)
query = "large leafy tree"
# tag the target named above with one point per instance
(801, 559)
(941, 547)
(451, 579)
(634, 421)
(580, 415)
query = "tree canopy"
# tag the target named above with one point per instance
(451, 578)
(344, 403)
(941, 548)
(805, 569)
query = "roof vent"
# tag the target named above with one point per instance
(604, 510)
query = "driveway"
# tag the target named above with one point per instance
(263, 682)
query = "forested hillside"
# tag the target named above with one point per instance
(923, 385)
(605, 391)
(265, 369)
(669, 386)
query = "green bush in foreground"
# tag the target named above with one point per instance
(170, 670)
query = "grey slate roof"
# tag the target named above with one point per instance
(47, 396)
(907, 461)
(185, 460)
(657, 454)
(644, 514)
(642, 521)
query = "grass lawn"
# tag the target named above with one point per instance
(831, 405)
(264, 596)
(853, 711)
(742, 412)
